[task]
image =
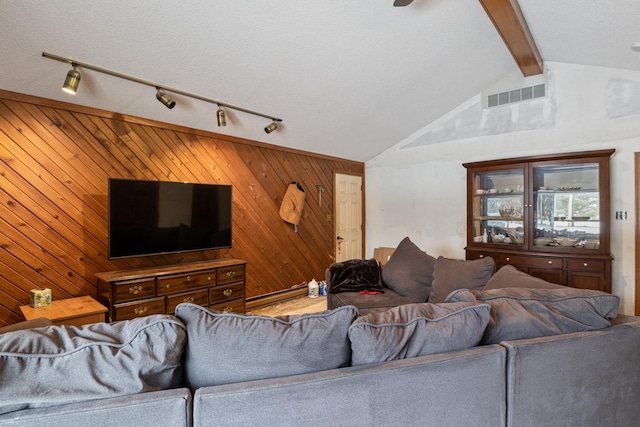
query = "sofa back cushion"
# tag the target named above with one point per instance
(510, 277)
(518, 313)
(452, 274)
(414, 330)
(409, 271)
(227, 348)
(64, 364)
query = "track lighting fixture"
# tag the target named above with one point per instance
(162, 97)
(271, 127)
(222, 120)
(72, 80)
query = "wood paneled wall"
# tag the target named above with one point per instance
(57, 157)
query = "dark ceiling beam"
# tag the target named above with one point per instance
(510, 23)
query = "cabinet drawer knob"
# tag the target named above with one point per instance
(231, 274)
(550, 262)
(189, 299)
(209, 278)
(227, 292)
(188, 278)
(135, 290)
(480, 256)
(586, 264)
(508, 259)
(227, 310)
(141, 310)
(167, 286)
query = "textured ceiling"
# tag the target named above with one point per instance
(349, 79)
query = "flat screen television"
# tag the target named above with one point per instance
(158, 217)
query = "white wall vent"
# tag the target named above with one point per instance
(517, 95)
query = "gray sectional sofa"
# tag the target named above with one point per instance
(423, 364)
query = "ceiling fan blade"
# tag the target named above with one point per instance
(402, 3)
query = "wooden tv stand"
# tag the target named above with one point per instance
(217, 284)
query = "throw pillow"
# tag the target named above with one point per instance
(354, 275)
(510, 277)
(409, 271)
(452, 274)
(519, 313)
(416, 330)
(64, 364)
(227, 348)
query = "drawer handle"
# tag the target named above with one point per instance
(481, 256)
(231, 274)
(508, 259)
(189, 299)
(227, 310)
(550, 262)
(167, 286)
(135, 290)
(227, 292)
(209, 278)
(188, 278)
(141, 310)
(586, 264)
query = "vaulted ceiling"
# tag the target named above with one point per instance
(349, 79)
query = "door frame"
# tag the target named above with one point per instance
(335, 210)
(637, 232)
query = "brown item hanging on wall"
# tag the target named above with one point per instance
(292, 204)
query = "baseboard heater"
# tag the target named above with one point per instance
(274, 297)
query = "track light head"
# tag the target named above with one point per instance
(271, 127)
(222, 120)
(72, 80)
(162, 97)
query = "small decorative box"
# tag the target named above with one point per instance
(40, 297)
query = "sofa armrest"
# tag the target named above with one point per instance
(579, 379)
(40, 322)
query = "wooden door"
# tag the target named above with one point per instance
(349, 217)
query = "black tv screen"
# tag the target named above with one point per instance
(157, 217)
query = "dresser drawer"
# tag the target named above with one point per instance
(585, 265)
(233, 306)
(185, 282)
(530, 261)
(196, 297)
(231, 274)
(225, 293)
(134, 290)
(139, 308)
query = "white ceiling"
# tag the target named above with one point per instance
(349, 78)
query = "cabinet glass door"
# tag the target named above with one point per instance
(498, 206)
(566, 203)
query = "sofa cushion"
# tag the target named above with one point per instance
(228, 348)
(452, 274)
(64, 364)
(510, 277)
(416, 330)
(409, 271)
(365, 303)
(354, 275)
(518, 313)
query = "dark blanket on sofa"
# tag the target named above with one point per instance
(354, 276)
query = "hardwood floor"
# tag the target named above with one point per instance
(301, 305)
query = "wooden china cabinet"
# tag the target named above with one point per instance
(548, 216)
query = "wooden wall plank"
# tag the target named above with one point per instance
(55, 162)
